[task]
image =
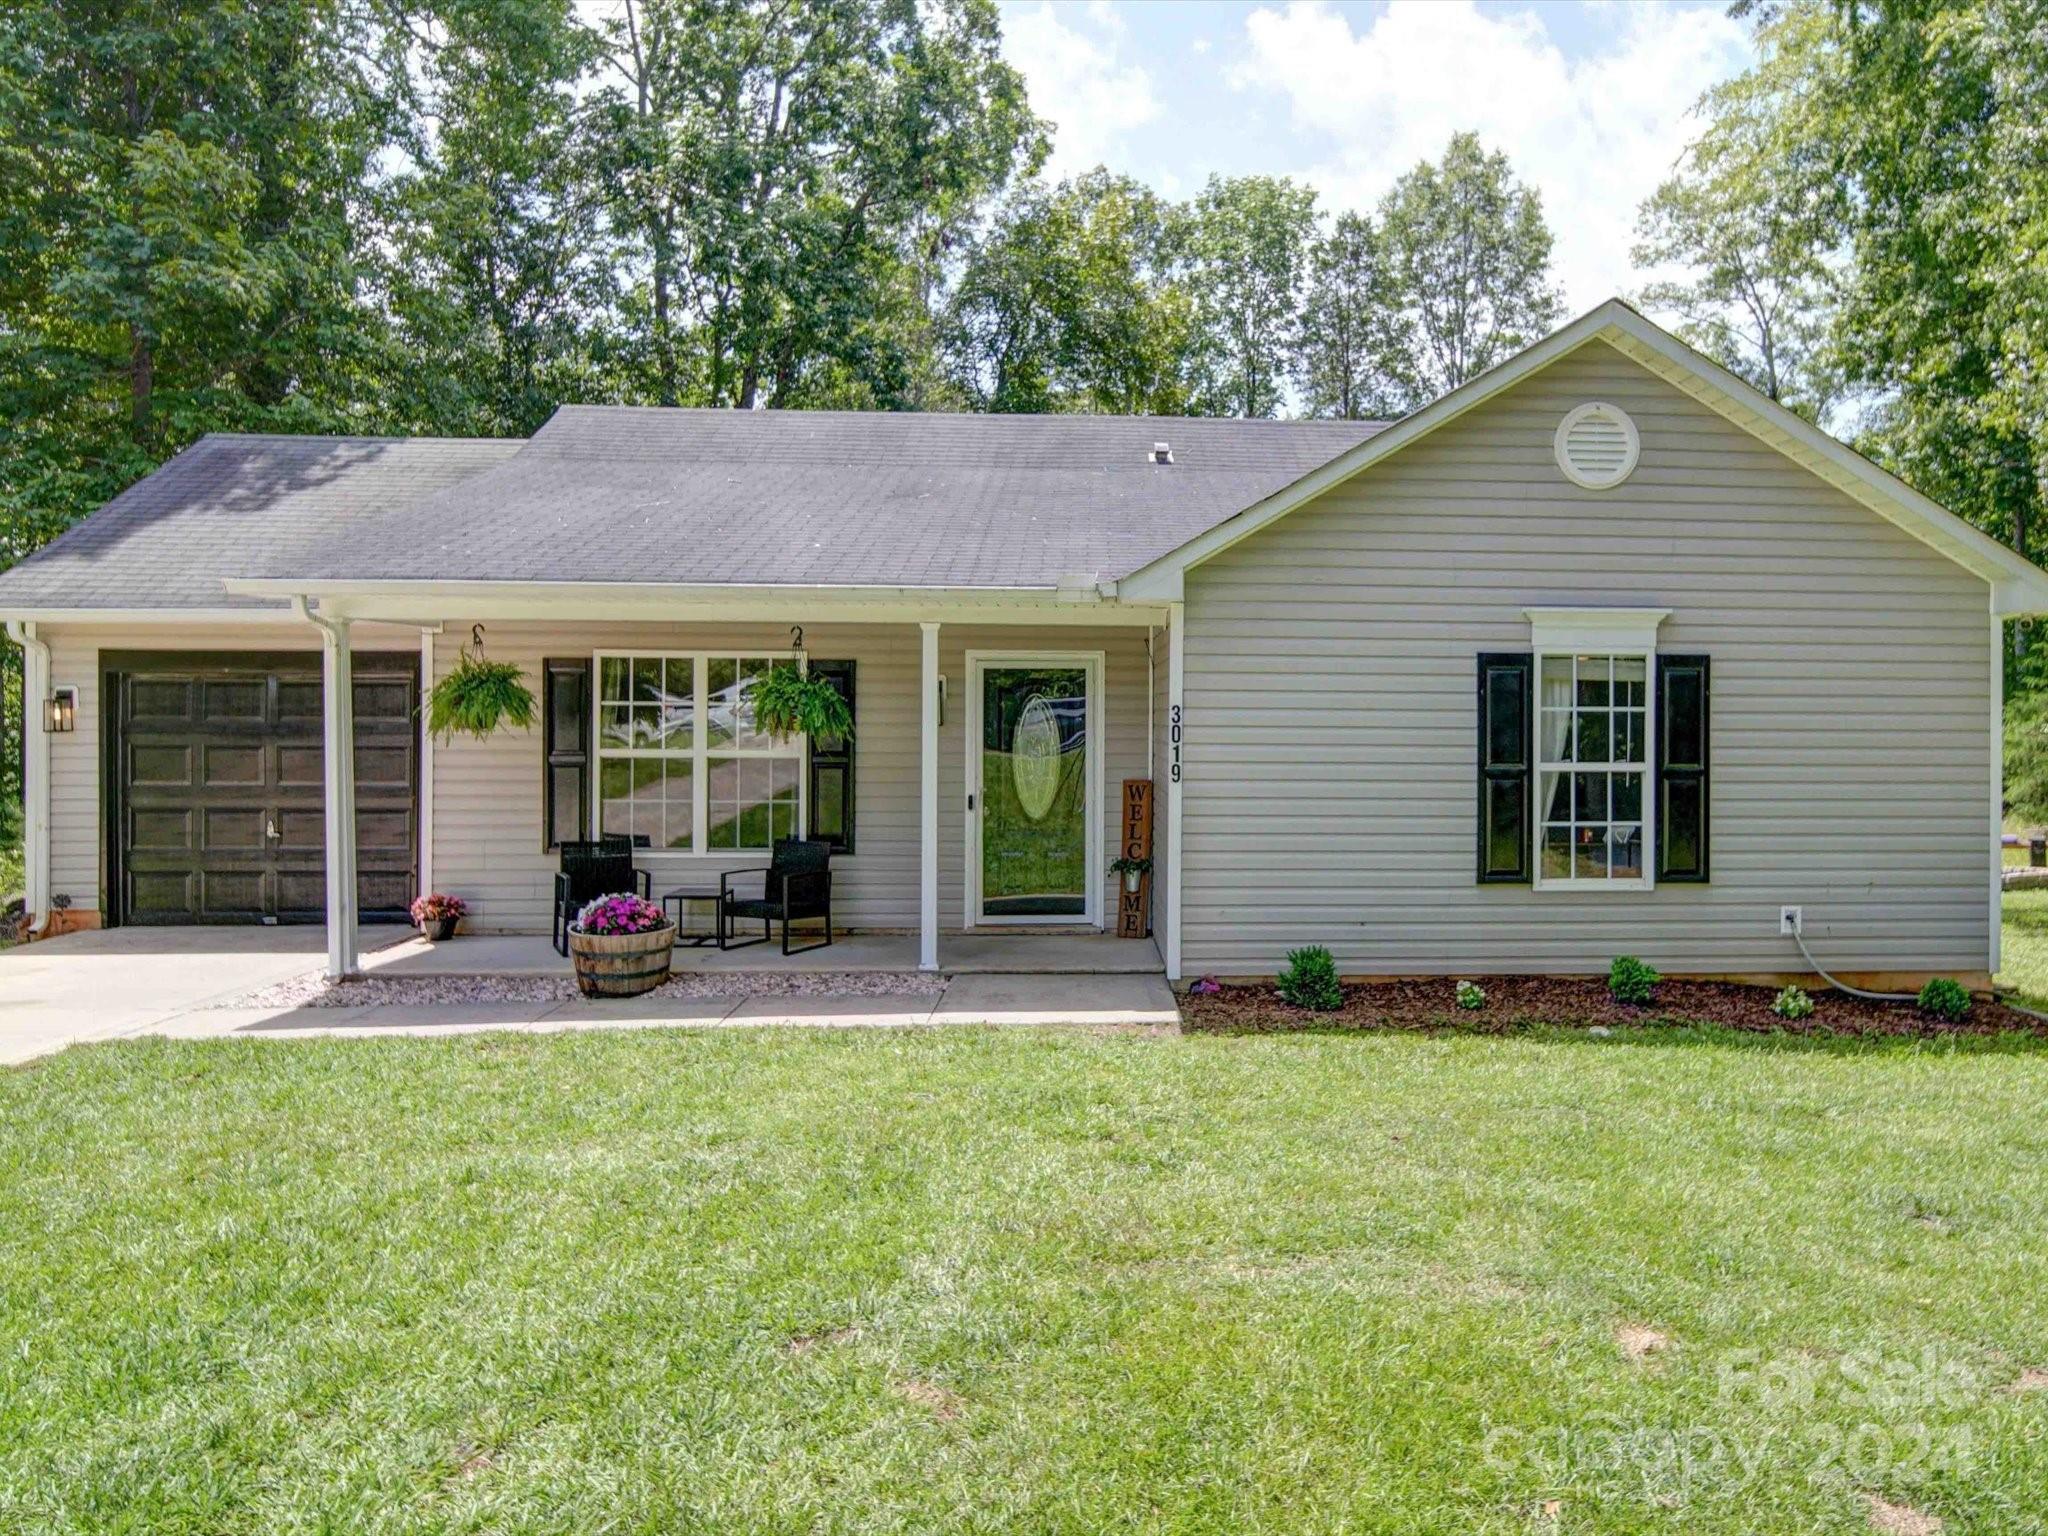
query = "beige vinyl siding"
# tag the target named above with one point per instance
(487, 832)
(1330, 691)
(487, 816)
(75, 839)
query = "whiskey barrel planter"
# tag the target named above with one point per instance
(621, 964)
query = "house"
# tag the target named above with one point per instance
(1604, 652)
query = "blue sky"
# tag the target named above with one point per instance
(1592, 99)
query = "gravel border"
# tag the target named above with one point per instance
(314, 990)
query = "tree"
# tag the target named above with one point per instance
(1467, 245)
(778, 164)
(500, 275)
(1755, 214)
(1350, 359)
(182, 184)
(1068, 303)
(1243, 244)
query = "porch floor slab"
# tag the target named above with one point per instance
(963, 954)
(1098, 1001)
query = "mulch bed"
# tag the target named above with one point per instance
(1522, 1002)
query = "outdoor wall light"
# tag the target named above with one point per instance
(60, 711)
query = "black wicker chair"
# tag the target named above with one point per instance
(601, 867)
(796, 885)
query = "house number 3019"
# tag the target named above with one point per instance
(1173, 741)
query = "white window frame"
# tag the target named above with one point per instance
(1625, 634)
(700, 752)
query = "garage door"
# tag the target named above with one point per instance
(220, 814)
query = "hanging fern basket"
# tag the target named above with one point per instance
(478, 697)
(790, 702)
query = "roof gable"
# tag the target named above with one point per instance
(2017, 585)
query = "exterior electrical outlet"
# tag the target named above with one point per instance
(1790, 920)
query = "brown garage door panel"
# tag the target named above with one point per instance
(221, 791)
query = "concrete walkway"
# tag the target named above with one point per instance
(170, 981)
(1099, 1001)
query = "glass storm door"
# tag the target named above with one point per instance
(1035, 792)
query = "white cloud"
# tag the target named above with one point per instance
(1594, 133)
(1069, 56)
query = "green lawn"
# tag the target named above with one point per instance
(1022, 1281)
(2024, 961)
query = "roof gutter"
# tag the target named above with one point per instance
(35, 777)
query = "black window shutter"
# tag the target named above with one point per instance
(1506, 765)
(831, 787)
(1682, 754)
(565, 743)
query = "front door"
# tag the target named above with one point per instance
(1034, 781)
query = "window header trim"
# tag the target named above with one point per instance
(1606, 630)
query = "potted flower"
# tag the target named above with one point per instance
(1132, 869)
(437, 914)
(620, 946)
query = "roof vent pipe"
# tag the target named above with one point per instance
(1162, 453)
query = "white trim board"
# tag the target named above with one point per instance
(2018, 586)
(1095, 664)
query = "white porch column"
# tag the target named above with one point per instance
(338, 754)
(928, 803)
(1176, 671)
(35, 772)
(426, 785)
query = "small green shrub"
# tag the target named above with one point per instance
(1310, 980)
(1793, 1003)
(1631, 981)
(1945, 999)
(1471, 995)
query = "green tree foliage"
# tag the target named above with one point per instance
(1243, 246)
(1469, 254)
(178, 188)
(777, 164)
(498, 272)
(1753, 219)
(1903, 141)
(1352, 357)
(1069, 302)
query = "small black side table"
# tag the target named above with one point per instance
(682, 896)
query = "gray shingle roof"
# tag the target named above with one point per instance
(233, 505)
(613, 493)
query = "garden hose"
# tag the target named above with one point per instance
(1842, 986)
(1888, 997)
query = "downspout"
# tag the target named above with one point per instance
(35, 775)
(338, 788)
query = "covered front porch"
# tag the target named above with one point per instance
(978, 807)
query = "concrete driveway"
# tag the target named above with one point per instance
(174, 981)
(123, 981)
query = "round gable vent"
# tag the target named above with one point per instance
(1597, 446)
